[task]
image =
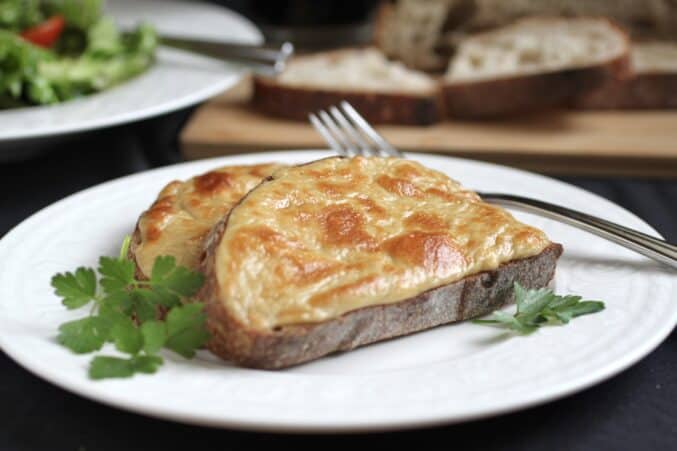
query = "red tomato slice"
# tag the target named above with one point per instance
(46, 33)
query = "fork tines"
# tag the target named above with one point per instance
(349, 134)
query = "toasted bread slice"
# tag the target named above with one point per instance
(184, 213)
(532, 64)
(652, 86)
(383, 91)
(339, 253)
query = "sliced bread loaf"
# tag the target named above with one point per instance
(533, 63)
(383, 91)
(422, 33)
(652, 86)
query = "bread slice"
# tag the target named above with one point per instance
(184, 213)
(421, 34)
(532, 64)
(640, 17)
(340, 253)
(652, 86)
(383, 91)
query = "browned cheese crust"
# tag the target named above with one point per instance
(287, 344)
(523, 93)
(184, 213)
(291, 102)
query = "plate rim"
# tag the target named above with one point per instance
(294, 426)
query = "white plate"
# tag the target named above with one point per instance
(178, 79)
(449, 374)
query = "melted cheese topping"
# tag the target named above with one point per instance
(184, 212)
(336, 235)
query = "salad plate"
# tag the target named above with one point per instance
(448, 374)
(176, 80)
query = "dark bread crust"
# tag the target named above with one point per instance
(291, 102)
(161, 311)
(647, 90)
(523, 93)
(131, 253)
(470, 297)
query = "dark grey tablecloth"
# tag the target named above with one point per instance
(635, 410)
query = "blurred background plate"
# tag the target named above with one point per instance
(177, 80)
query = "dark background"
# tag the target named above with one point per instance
(635, 410)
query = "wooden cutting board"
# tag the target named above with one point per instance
(642, 143)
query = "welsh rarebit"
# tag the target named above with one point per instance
(339, 253)
(184, 212)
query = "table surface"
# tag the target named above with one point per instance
(634, 410)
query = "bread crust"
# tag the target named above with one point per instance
(656, 90)
(286, 346)
(131, 252)
(495, 97)
(291, 102)
(524, 93)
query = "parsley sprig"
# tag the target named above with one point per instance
(536, 308)
(124, 312)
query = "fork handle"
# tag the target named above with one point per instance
(651, 247)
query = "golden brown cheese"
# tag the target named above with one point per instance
(184, 212)
(335, 235)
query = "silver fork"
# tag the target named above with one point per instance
(349, 134)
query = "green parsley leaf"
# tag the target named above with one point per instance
(162, 267)
(76, 289)
(126, 336)
(158, 296)
(119, 301)
(563, 302)
(502, 319)
(579, 309)
(178, 279)
(141, 309)
(103, 367)
(154, 336)
(538, 307)
(117, 274)
(84, 335)
(166, 298)
(125, 314)
(530, 303)
(186, 330)
(110, 313)
(184, 282)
